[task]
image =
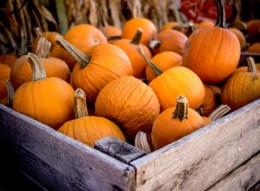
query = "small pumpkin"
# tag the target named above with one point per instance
(248, 90)
(169, 40)
(175, 81)
(254, 48)
(129, 102)
(175, 123)
(112, 33)
(130, 48)
(88, 129)
(148, 27)
(7, 59)
(5, 71)
(102, 64)
(54, 67)
(48, 100)
(208, 54)
(169, 25)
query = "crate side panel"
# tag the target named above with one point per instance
(89, 168)
(198, 160)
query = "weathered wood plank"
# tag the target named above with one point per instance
(242, 178)
(198, 160)
(50, 152)
(118, 149)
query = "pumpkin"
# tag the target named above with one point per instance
(130, 48)
(254, 48)
(47, 100)
(253, 28)
(241, 37)
(112, 33)
(7, 59)
(208, 52)
(175, 123)
(83, 37)
(209, 103)
(129, 102)
(102, 64)
(54, 67)
(178, 80)
(148, 27)
(88, 129)
(248, 90)
(168, 40)
(5, 75)
(169, 25)
(164, 61)
(205, 23)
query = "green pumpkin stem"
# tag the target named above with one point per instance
(181, 110)
(251, 66)
(149, 62)
(38, 71)
(79, 56)
(221, 18)
(10, 93)
(219, 112)
(137, 38)
(43, 48)
(80, 104)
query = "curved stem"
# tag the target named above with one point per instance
(251, 65)
(149, 62)
(38, 71)
(10, 93)
(79, 56)
(154, 43)
(38, 32)
(181, 111)
(221, 18)
(80, 104)
(141, 141)
(43, 48)
(137, 38)
(219, 112)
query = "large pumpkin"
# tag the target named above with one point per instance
(102, 64)
(129, 102)
(48, 100)
(242, 87)
(130, 48)
(87, 129)
(175, 123)
(212, 52)
(54, 67)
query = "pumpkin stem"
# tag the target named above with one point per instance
(80, 104)
(137, 38)
(181, 110)
(251, 66)
(38, 71)
(141, 141)
(43, 48)
(221, 18)
(149, 62)
(155, 42)
(79, 56)
(219, 112)
(38, 32)
(10, 93)
(116, 37)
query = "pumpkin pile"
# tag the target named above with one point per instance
(147, 86)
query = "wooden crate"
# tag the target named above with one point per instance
(224, 155)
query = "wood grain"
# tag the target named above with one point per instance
(200, 159)
(59, 162)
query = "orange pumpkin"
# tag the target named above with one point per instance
(148, 27)
(254, 48)
(5, 75)
(112, 33)
(102, 64)
(175, 123)
(7, 59)
(130, 48)
(242, 87)
(54, 67)
(169, 40)
(48, 100)
(241, 37)
(164, 61)
(208, 52)
(88, 129)
(129, 102)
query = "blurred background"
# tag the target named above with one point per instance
(20, 17)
